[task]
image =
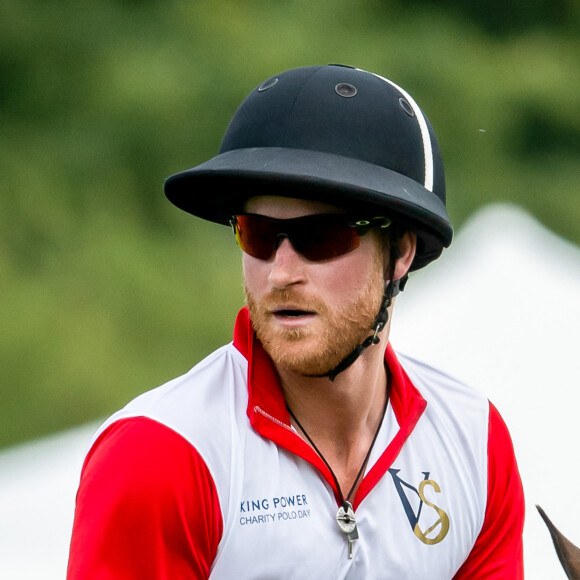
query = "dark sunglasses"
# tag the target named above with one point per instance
(317, 237)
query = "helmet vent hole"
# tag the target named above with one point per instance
(267, 84)
(406, 107)
(345, 90)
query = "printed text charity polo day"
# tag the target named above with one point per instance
(263, 505)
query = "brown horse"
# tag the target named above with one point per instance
(568, 553)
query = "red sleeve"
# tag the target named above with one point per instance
(147, 508)
(498, 551)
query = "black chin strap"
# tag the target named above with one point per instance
(392, 288)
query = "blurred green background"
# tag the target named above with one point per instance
(107, 290)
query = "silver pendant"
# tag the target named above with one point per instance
(347, 523)
(345, 518)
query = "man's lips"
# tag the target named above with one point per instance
(292, 314)
(291, 310)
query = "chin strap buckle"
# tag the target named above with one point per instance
(392, 288)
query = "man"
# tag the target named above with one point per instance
(307, 448)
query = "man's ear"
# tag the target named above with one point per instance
(404, 254)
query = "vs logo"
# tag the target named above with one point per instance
(415, 516)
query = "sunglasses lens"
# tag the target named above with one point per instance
(316, 237)
(325, 237)
(256, 235)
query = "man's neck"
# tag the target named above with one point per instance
(341, 417)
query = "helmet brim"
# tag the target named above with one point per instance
(218, 189)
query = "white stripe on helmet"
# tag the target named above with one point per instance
(425, 136)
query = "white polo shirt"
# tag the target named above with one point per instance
(204, 477)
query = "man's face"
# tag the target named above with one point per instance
(310, 315)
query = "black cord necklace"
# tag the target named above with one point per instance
(345, 517)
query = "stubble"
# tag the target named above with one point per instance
(314, 350)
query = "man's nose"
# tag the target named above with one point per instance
(287, 265)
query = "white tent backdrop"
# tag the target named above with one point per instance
(500, 311)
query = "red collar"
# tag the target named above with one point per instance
(269, 417)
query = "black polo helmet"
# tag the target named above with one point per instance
(331, 133)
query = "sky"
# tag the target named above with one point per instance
(499, 310)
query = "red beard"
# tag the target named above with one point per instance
(318, 347)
